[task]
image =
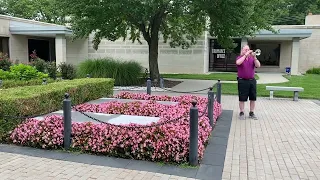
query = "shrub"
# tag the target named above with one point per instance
(22, 72)
(314, 70)
(43, 66)
(20, 83)
(52, 70)
(26, 72)
(40, 65)
(35, 100)
(5, 62)
(68, 71)
(125, 73)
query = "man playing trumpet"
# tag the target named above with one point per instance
(247, 84)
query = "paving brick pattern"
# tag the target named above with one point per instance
(16, 166)
(283, 144)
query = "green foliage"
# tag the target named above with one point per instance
(40, 64)
(293, 12)
(5, 62)
(26, 72)
(180, 23)
(315, 70)
(22, 72)
(310, 83)
(41, 10)
(20, 83)
(237, 18)
(125, 73)
(68, 71)
(36, 100)
(52, 70)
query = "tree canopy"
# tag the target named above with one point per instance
(180, 22)
(293, 12)
(40, 10)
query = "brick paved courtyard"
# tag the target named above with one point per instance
(283, 144)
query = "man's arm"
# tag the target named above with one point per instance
(257, 63)
(240, 60)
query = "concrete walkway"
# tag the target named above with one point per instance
(193, 85)
(267, 78)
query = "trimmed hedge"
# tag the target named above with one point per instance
(20, 83)
(41, 99)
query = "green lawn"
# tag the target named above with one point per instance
(212, 76)
(310, 83)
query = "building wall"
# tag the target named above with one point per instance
(171, 60)
(310, 52)
(285, 55)
(4, 27)
(312, 19)
(18, 47)
(77, 50)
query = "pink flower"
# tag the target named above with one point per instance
(168, 142)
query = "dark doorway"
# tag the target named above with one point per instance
(42, 48)
(270, 52)
(4, 45)
(221, 59)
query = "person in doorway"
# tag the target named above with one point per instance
(247, 84)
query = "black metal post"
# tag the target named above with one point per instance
(44, 81)
(67, 121)
(193, 139)
(161, 83)
(219, 91)
(210, 105)
(149, 86)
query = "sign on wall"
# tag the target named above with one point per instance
(220, 53)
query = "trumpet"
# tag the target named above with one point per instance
(257, 52)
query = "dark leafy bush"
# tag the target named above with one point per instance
(5, 62)
(125, 73)
(40, 64)
(52, 70)
(315, 70)
(40, 99)
(68, 71)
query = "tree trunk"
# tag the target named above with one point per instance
(153, 59)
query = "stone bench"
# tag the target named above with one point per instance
(295, 90)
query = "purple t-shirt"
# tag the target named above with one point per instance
(246, 69)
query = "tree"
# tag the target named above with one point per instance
(181, 22)
(40, 10)
(293, 12)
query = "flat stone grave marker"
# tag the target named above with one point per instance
(103, 100)
(116, 119)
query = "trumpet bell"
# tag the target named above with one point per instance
(257, 52)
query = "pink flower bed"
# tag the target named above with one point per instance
(168, 142)
(183, 99)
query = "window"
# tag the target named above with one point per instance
(4, 45)
(270, 52)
